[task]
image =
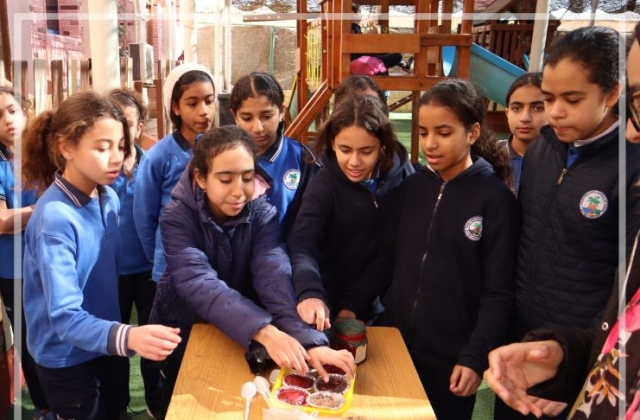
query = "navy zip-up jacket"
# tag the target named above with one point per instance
(335, 234)
(234, 275)
(568, 251)
(446, 261)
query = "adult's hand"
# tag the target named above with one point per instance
(283, 349)
(515, 368)
(314, 311)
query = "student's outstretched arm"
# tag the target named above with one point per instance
(515, 368)
(305, 250)
(199, 284)
(271, 271)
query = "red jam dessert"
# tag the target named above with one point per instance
(336, 383)
(292, 395)
(333, 369)
(300, 381)
(329, 400)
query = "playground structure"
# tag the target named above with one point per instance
(440, 50)
(432, 31)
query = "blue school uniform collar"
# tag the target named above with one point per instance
(5, 153)
(76, 196)
(273, 152)
(182, 142)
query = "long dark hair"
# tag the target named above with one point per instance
(462, 98)
(366, 112)
(254, 85)
(214, 142)
(595, 48)
(74, 117)
(533, 79)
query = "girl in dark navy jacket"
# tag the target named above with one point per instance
(446, 259)
(334, 237)
(226, 263)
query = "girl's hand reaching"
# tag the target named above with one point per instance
(324, 355)
(283, 349)
(314, 311)
(153, 342)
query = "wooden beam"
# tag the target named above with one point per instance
(381, 43)
(308, 113)
(406, 82)
(6, 40)
(431, 40)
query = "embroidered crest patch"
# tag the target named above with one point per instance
(473, 228)
(593, 204)
(291, 179)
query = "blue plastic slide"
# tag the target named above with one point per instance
(491, 74)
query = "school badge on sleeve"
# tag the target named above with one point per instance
(593, 204)
(473, 228)
(291, 179)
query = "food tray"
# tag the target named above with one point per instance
(279, 384)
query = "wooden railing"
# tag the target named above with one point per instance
(56, 80)
(510, 41)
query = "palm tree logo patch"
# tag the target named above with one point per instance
(473, 228)
(291, 179)
(593, 204)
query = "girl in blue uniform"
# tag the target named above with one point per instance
(15, 204)
(135, 285)
(227, 266)
(71, 259)
(189, 98)
(446, 259)
(257, 104)
(334, 236)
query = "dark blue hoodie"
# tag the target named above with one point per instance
(235, 275)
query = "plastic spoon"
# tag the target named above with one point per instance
(263, 387)
(248, 392)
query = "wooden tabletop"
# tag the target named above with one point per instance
(214, 369)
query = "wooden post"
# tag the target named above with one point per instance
(56, 83)
(126, 72)
(4, 36)
(40, 93)
(85, 75)
(72, 77)
(159, 108)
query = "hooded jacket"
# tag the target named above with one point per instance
(335, 234)
(446, 261)
(568, 251)
(235, 275)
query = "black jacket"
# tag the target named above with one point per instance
(334, 235)
(447, 260)
(582, 346)
(566, 260)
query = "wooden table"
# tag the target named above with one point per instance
(214, 368)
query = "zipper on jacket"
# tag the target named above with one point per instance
(534, 258)
(375, 202)
(424, 259)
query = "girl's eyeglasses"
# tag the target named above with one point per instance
(633, 107)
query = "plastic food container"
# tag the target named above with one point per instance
(323, 402)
